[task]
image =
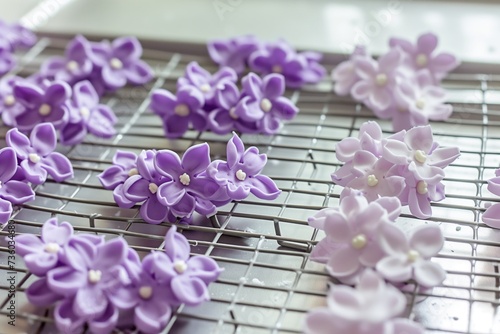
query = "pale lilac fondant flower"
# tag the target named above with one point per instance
(208, 84)
(263, 102)
(409, 257)
(188, 188)
(377, 80)
(241, 174)
(42, 254)
(344, 74)
(76, 64)
(9, 106)
(86, 115)
(422, 55)
(491, 216)
(233, 52)
(36, 154)
(180, 110)
(42, 104)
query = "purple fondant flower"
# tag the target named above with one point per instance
(39, 293)
(344, 74)
(119, 62)
(223, 119)
(241, 174)
(188, 188)
(409, 256)
(144, 186)
(42, 105)
(422, 55)
(17, 35)
(42, 254)
(74, 66)
(180, 110)
(124, 165)
(9, 106)
(86, 115)
(233, 52)
(36, 154)
(207, 83)
(263, 102)
(7, 60)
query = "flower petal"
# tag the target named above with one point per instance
(102, 122)
(234, 150)
(343, 262)
(39, 293)
(40, 263)
(190, 290)
(420, 138)
(176, 245)
(44, 139)
(19, 142)
(153, 212)
(106, 322)
(66, 320)
(420, 205)
(337, 228)
(393, 240)
(196, 159)
(111, 253)
(136, 188)
(57, 93)
(273, 86)
(491, 216)
(66, 281)
(17, 192)
(429, 274)
(163, 102)
(175, 126)
(443, 156)
(396, 152)
(27, 244)
(58, 166)
(264, 187)
(139, 72)
(152, 317)
(427, 43)
(55, 232)
(361, 90)
(112, 177)
(90, 301)
(428, 240)
(170, 193)
(395, 268)
(5, 211)
(34, 173)
(204, 268)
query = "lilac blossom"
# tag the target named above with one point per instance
(233, 52)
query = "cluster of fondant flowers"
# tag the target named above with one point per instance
(92, 281)
(29, 160)
(298, 68)
(371, 307)
(408, 165)
(205, 101)
(170, 187)
(491, 216)
(13, 37)
(402, 85)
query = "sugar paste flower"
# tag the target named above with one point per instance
(180, 110)
(241, 174)
(86, 115)
(7, 60)
(263, 102)
(233, 52)
(17, 35)
(409, 256)
(491, 216)
(36, 154)
(344, 75)
(9, 106)
(42, 104)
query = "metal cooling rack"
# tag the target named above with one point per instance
(269, 283)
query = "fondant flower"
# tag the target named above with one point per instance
(39, 293)
(17, 35)
(188, 188)
(119, 62)
(7, 60)
(263, 102)
(377, 80)
(124, 165)
(42, 105)
(241, 174)
(422, 55)
(180, 110)
(409, 257)
(207, 83)
(42, 254)
(144, 186)
(314, 71)
(491, 216)
(86, 115)
(9, 106)
(36, 154)
(76, 64)
(188, 277)
(344, 74)
(233, 52)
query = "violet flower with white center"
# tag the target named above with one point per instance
(409, 257)
(314, 71)
(491, 216)
(86, 115)
(241, 174)
(42, 104)
(179, 111)
(419, 153)
(188, 188)
(208, 84)
(10, 108)
(17, 35)
(264, 103)
(344, 74)
(377, 80)
(233, 52)
(124, 166)
(36, 154)
(74, 66)
(143, 188)
(422, 55)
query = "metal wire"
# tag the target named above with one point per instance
(269, 283)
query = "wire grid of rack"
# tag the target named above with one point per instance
(269, 284)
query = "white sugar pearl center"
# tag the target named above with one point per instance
(84, 111)
(133, 172)
(420, 104)
(34, 158)
(241, 175)
(381, 79)
(51, 247)
(9, 100)
(180, 266)
(72, 65)
(153, 188)
(205, 88)
(94, 276)
(185, 179)
(277, 69)
(372, 180)
(421, 60)
(422, 187)
(413, 255)
(232, 113)
(359, 241)
(420, 156)
(44, 109)
(266, 105)
(181, 110)
(116, 63)
(145, 292)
